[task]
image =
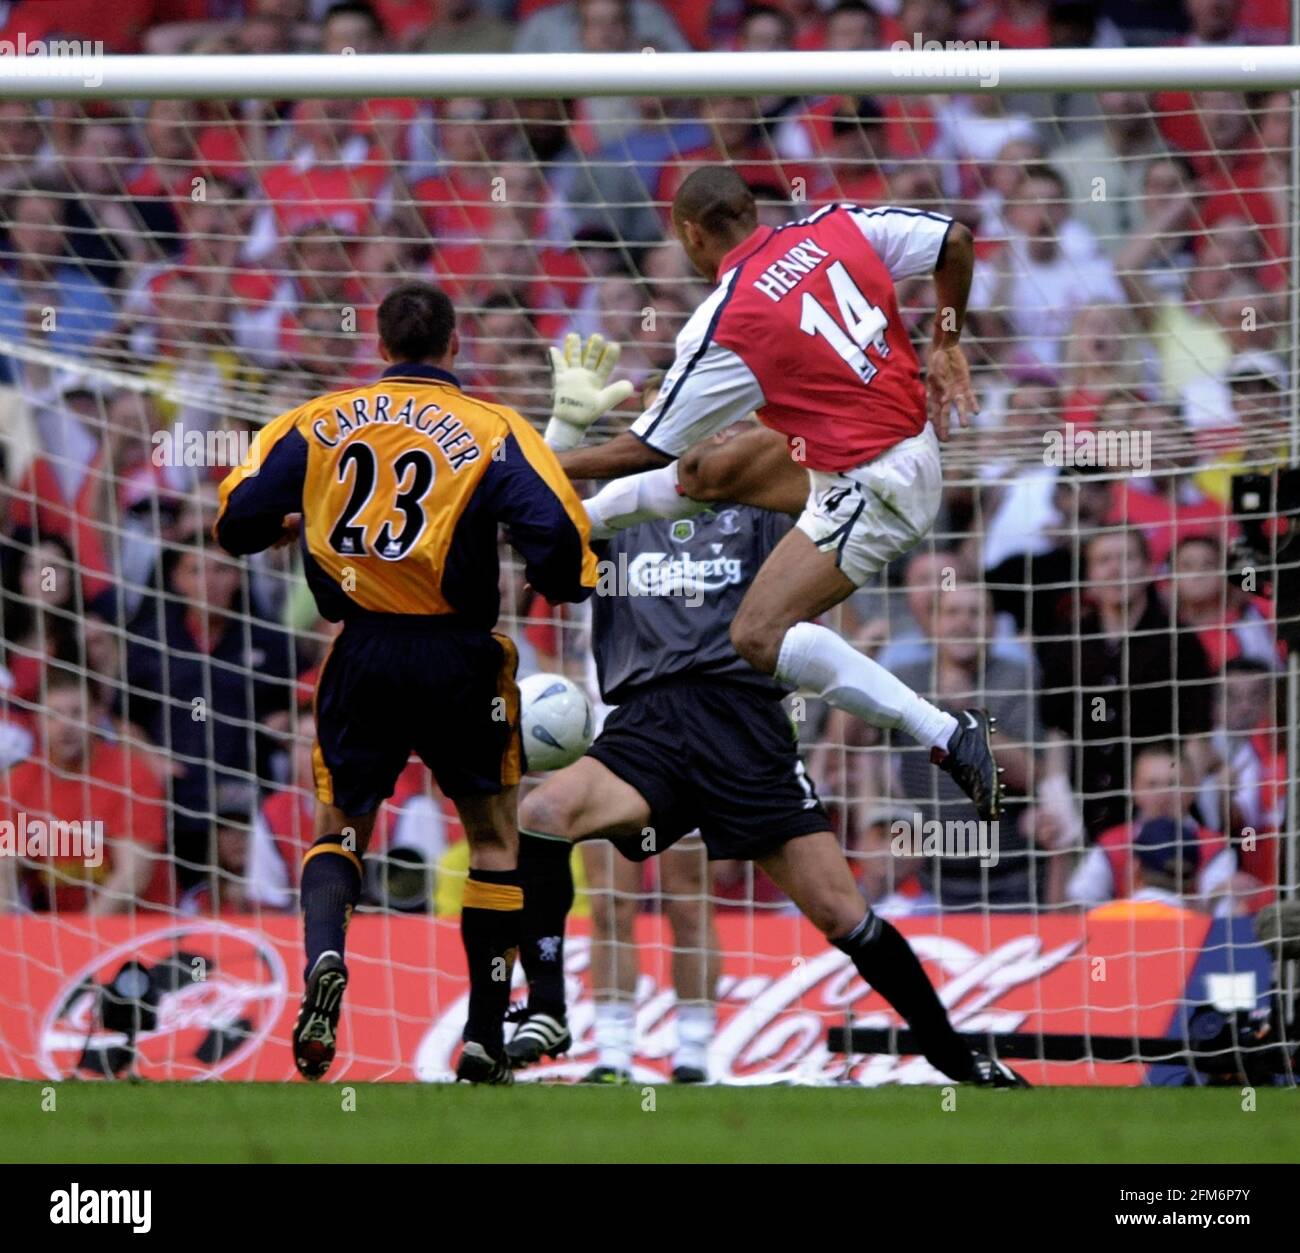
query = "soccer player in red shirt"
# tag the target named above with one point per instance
(804, 329)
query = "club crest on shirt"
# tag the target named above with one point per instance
(728, 522)
(683, 531)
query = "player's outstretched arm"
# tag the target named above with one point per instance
(741, 465)
(948, 384)
(747, 464)
(620, 456)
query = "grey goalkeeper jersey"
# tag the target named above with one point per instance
(666, 593)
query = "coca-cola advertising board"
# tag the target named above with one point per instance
(225, 992)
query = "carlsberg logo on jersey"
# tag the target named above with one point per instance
(668, 574)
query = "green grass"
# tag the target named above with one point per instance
(228, 1122)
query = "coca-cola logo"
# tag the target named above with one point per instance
(217, 992)
(772, 1027)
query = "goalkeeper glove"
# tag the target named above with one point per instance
(580, 393)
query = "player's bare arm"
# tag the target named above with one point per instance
(948, 384)
(614, 459)
(745, 465)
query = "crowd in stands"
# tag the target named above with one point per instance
(198, 266)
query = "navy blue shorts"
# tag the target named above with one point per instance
(723, 757)
(396, 684)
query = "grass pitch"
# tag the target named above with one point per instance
(298, 1122)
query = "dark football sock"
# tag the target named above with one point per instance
(548, 896)
(331, 887)
(490, 919)
(886, 961)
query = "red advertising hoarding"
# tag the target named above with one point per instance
(232, 985)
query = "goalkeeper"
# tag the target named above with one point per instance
(699, 738)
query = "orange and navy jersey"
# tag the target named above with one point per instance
(402, 485)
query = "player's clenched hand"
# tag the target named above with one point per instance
(581, 392)
(948, 386)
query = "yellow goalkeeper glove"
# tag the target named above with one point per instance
(580, 393)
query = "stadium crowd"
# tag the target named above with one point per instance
(198, 266)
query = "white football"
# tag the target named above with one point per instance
(556, 721)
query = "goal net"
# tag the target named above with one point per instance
(1111, 574)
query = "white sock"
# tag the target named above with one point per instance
(819, 661)
(639, 498)
(695, 1026)
(615, 1034)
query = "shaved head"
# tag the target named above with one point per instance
(713, 211)
(717, 200)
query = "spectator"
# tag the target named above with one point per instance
(849, 166)
(465, 26)
(766, 28)
(170, 133)
(1035, 284)
(110, 230)
(1191, 330)
(998, 180)
(1039, 590)
(808, 133)
(1207, 597)
(1118, 672)
(1245, 794)
(1160, 855)
(972, 130)
(335, 175)
(24, 158)
(507, 355)
(1102, 361)
(1018, 501)
(227, 889)
(961, 671)
(83, 777)
(43, 296)
(194, 371)
(40, 619)
(204, 676)
(1167, 212)
(1104, 172)
(321, 272)
(600, 26)
(58, 493)
(892, 884)
(930, 573)
(1062, 116)
(1165, 498)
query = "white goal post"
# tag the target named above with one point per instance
(908, 70)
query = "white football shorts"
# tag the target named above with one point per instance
(874, 513)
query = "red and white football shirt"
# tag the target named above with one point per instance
(804, 329)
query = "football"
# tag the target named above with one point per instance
(556, 721)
